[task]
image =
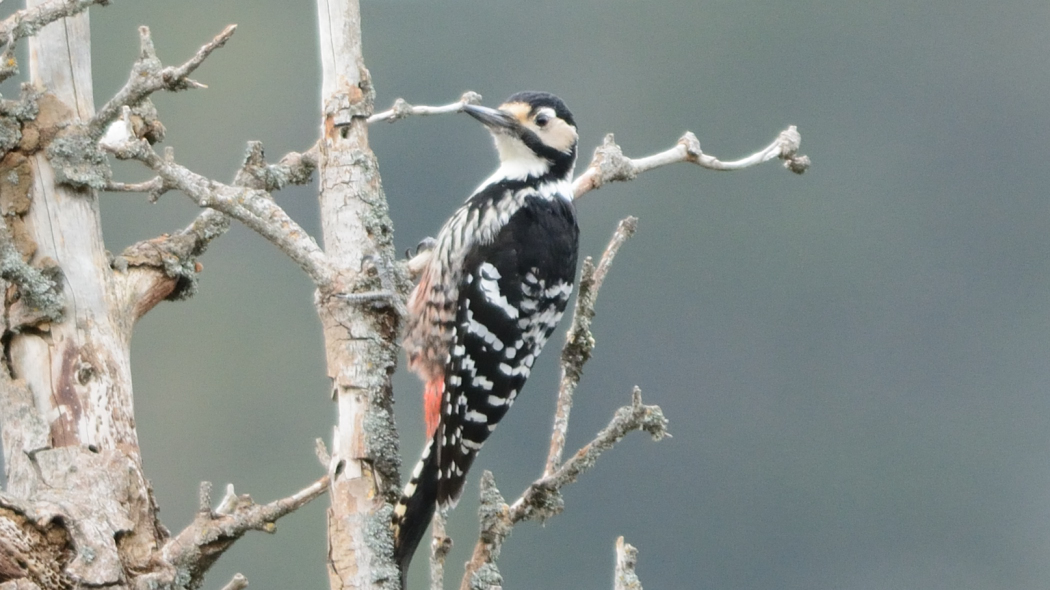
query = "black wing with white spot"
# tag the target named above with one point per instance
(511, 297)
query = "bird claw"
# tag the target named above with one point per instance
(425, 245)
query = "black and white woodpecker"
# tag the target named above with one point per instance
(495, 286)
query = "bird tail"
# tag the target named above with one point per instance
(416, 508)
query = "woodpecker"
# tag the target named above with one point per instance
(496, 284)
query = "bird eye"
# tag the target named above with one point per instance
(542, 120)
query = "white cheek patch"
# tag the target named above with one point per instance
(559, 135)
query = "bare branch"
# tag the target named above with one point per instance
(147, 77)
(154, 187)
(253, 207)
(610, 165)
(175, 255)
(626, 560)
(536, 501)
(402, 109)
(28, 21)
(211, 533)
(542, 499)
(166, 267)
(579, 342)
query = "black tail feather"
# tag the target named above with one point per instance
(416, 509)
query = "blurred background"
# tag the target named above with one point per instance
(854, 361)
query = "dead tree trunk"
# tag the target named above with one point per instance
(77, 507)
(77, 510)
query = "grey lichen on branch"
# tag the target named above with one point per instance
(78, 160)
(294, 168)
(440, 545)
(579, 341)
(38, 289)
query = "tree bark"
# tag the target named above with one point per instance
(361, 320)
(76, 493)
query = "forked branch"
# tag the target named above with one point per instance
(542, 499)
(253, 207)
(148, 76)
(212, 532)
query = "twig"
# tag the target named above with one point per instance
(154, 187)
(481, 572)
(238, 582)
(402, 109)
(579, 342)
(610, 165)
(211, 533)
(440, 545)
(637, 416)
(28, 21)
(204, 497)
(147, 77)
(251, 206)
(542, 499)
(230, 501)
(626, 559)
(294, 168)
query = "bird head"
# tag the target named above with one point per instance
(535, 135)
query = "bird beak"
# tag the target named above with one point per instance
(494, 119)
